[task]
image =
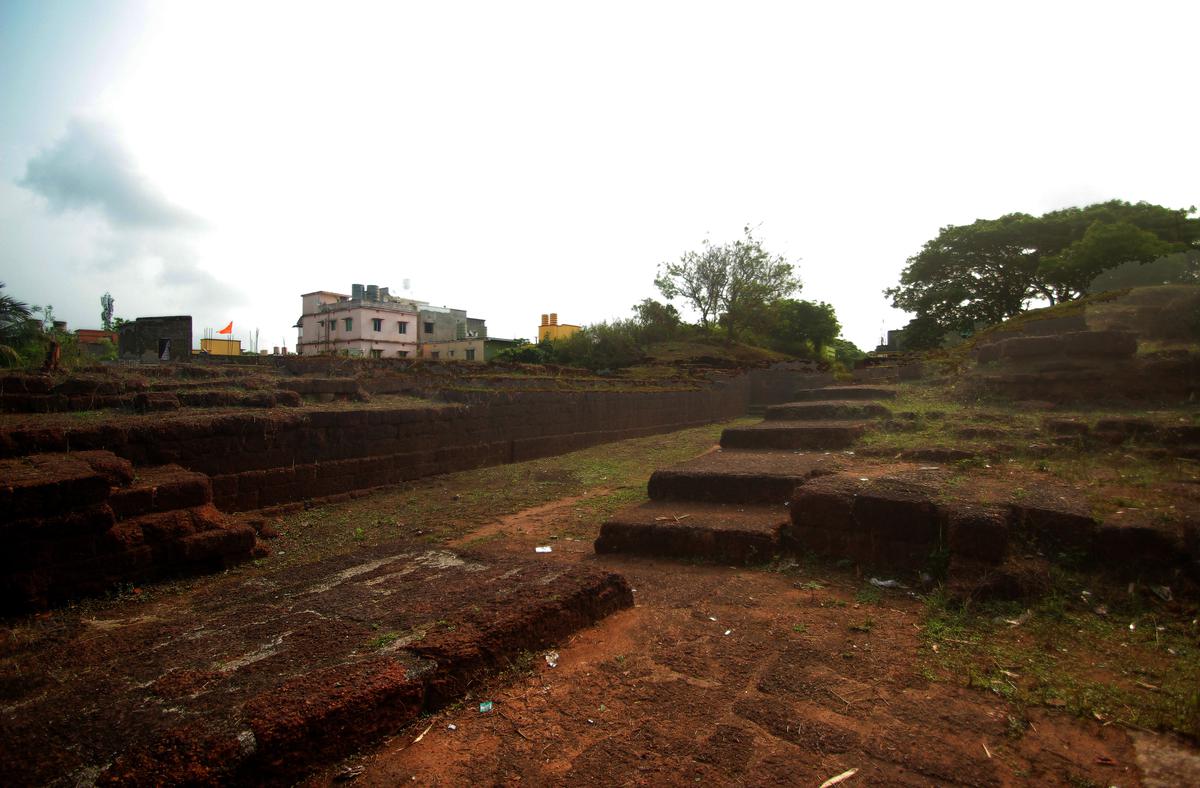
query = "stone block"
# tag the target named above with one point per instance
(155, 402)
(897, 510)
(1131, 541)
(827, 503)
(1024, 348)
(976, 532)
(1101, 344)
(1060, 525)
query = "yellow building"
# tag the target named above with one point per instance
(221, 347)
(551, 329)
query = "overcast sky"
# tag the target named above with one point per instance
(219, 159)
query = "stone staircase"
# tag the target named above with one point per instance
(831, 418)
(732, 504)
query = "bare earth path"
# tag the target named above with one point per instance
(737, 676)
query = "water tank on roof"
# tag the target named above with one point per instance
(372, 292)
(356, 292)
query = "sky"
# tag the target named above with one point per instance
(219, 159)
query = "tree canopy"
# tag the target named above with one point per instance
(988, 271)
(800, 327)
(730, 283)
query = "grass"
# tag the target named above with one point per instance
(868, 595)
(1109, 477)
(445, 507)
(691, 351)
(1063, 654)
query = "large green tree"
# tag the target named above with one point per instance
(731, 283)
(990, 270)
(801, 327)
(655, 321)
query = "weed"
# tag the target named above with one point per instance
(938, 563)
(866, 626)
(868, 595)
(799, 629)
(1016, 727)
(383, 640)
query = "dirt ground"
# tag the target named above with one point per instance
(790, 673)
(735, 676)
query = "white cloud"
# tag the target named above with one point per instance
(90, 168)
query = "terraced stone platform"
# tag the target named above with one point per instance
(260, 678)
(831, 410)
(79, 523)
(993, 533)
(806, 435)
(731, 533)
(1000, 541)
(835, 393)
(744, 477)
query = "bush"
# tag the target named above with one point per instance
(600, 346)
(524, 354)
(846, 352)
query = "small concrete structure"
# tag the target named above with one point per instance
(221, 347)
(94, 341)
(551, 329)
(156, 339)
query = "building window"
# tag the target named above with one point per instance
(402, 354)
(376, 354)
(377, 323)
(403, 326)
(470, 354)
(451, 354)
(349, 323)
(434, 354)
(429, 328)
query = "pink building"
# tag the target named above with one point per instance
(370, 322)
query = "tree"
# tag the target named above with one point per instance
(731, 283)
(656, 321)
(17, 328)
(106, 311)
(990, 270)
(802, 327)
(846, 352)
(699, 278)
(1178, 268)
(1103, 246)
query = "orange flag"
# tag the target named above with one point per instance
(227, 329)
